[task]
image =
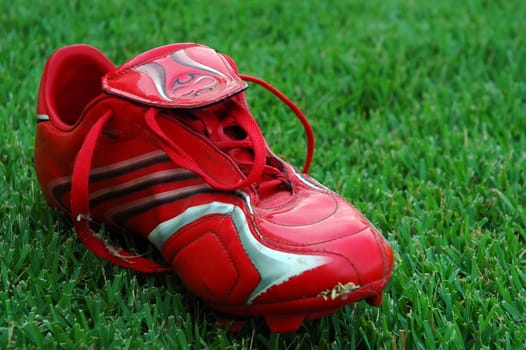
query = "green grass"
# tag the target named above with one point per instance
(419, 109)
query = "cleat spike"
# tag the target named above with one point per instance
(284, 323)
(237, 326)
(375, 300)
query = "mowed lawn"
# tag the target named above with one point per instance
(420, 120)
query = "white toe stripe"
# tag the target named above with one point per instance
(274, 266)
(166, 229)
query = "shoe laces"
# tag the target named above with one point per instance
(243, 150)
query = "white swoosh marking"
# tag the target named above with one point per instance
(274, 266)
(182, 58)
(158, 76)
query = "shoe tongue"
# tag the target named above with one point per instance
(175, 76)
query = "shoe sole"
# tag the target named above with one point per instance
(233, 317)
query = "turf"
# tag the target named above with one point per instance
(419, 109)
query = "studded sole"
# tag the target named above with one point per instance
(233, 318)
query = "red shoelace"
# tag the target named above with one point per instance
(246, 173)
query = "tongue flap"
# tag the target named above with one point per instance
(176, 76)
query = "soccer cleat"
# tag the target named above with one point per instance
(164, 147)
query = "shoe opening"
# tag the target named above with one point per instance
(72, 79)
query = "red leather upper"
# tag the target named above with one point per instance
(238, 251)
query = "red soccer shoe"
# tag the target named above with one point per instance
(165, 147)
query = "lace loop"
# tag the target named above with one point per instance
(80, 208)
(304, 122)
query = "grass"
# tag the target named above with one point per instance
(419, 109)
